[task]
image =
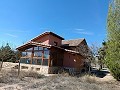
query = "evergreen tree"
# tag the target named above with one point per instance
(7, 54)
(112, 58)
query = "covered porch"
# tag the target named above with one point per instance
(41, 55)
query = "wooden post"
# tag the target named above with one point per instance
(19, 55)
(42, 56)
(49, 61)
(32, 55)
(1, 65)
(19, 68)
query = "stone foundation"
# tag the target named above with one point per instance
(42, 69)
(37, 68)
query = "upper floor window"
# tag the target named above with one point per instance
(55, 43)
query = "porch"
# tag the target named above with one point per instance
(47, 59)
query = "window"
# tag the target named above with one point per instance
(25, 60)
(46, 54)
(55, 43)
(39, 61)
(40, 48)
(35, 54)
(45, 62)
(24, 54)
(35, 48)
(34, 61)
(29, 54)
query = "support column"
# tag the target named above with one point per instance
(42, 56)
(49, 61)
(19, 67)
(32, 55)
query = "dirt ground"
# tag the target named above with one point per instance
(9, 80)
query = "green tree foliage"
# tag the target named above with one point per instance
(7, 54)
(112, 58)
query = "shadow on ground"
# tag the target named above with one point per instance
(99, 73)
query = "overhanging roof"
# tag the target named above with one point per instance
(46, 33)
(31, 44)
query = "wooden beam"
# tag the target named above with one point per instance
(42, 56)
(19, 67)
(49, 61)
(34, 50)
(32, 55)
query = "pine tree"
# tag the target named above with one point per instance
(7, 54)
(112, 58)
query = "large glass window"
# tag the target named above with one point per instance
(29, 54)
(46, 54)
(25, 60)
(36, 48)
(37, 58)
(35, 54)
(24, 54)
(46, 57)
(34, 61)
(38, 53)
(40, 48)
(39, 61)
(45, 62)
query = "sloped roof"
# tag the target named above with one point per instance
(46, 33)
(74, 42)
(31, 44)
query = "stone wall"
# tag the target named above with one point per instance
(26, 67)
(37, 68)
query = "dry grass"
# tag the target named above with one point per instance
(11, 76)
(30, 74)
(9, 80)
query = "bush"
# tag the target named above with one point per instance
(115, 70)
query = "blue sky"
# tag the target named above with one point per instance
(22, 20)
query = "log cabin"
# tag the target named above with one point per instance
(51, 50)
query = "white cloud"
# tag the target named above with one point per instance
(85, 33)
(11, 35)
(82, 31)
(79, 29)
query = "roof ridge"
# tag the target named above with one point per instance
(47, 32)
(74, 39)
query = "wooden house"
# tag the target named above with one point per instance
(51, 50)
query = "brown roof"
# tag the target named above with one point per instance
(74, 42)
(46, 33)
(31, 44)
